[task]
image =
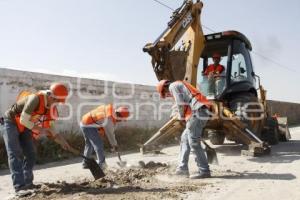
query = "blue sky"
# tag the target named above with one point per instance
(104, 39)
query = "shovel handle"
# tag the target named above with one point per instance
(205, 143)
(119, 156)
(74, 151)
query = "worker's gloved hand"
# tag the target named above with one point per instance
(180, 118)
(37, 129)
(65, 146)
(115, 149)
(211, 75)
(45, 132)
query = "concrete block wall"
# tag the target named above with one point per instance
(148, 109)
(143, 101)
(286, 109)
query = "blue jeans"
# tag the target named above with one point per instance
(190, 140)
(20, 152)
(93, 142)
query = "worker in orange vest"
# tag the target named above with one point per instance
(31, 115)
(98, 123)
(192, 107)
(215, 68)
(213, 72)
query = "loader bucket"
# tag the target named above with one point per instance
(283, 127)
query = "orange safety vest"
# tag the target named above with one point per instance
(213, 68)
(41, 116)
(196, 94)
(100, 113)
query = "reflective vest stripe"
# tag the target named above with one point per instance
(195, 94)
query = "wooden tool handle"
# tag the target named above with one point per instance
(74, 151)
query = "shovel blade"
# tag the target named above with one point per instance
(122, 164)
(212, 156)
(95, 169)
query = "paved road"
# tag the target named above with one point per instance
(273, 177)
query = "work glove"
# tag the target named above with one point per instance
(65, 145)
(115, 148)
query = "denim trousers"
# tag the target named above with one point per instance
(93, 142)
(190, 140)
(20, 152)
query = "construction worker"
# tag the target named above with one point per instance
(31, 115)
(215, 68)
(212, 72)
(98, 123)
(193, 109)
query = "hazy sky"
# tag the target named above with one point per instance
(104, 39)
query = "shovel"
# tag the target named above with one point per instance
(211, 154)
(121, 163)
(93, 166)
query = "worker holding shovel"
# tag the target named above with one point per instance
(98, 123)
(31, 116)
(193, 108)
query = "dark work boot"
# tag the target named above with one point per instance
(201, 175)
(84, 165)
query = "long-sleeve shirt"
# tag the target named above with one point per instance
(183, 97)
(109, 128)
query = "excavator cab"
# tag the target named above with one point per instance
(238, 76)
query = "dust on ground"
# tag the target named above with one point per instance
(135, 183)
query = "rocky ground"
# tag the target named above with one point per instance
(236, 177)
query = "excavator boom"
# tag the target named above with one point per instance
(166, 56)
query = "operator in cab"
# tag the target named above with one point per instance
(213, 72)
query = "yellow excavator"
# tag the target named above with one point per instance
(240, 114)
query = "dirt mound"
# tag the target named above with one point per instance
(138, 183)
(151, 165)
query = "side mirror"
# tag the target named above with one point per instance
(253, 74)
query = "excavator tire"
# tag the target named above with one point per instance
(271, 133)
(282, 138)
(241, 99)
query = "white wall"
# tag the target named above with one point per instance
(85, 95)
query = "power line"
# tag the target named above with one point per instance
(165, 5)
(209, 29)
(275, 62)
(256, 53)
(170, 8)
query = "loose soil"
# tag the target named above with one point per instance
(137, 183)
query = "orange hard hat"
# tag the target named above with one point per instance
(216, 55)
(160, 87)
(123, 112)
(59, 91)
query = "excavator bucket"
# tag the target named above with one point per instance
(171, 128)
(283, 127)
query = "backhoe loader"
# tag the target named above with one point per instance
(183, 52)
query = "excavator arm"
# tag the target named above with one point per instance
(174, 61)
